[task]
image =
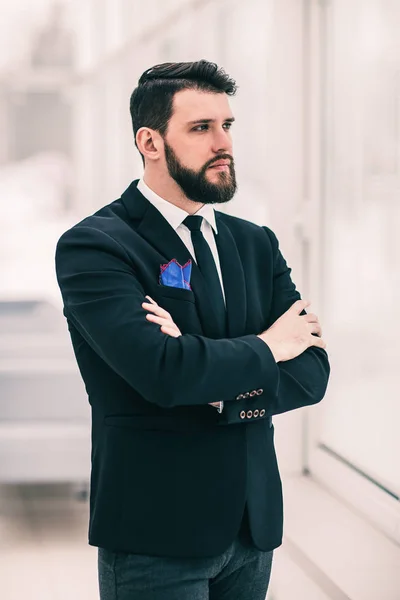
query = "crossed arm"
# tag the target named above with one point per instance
(284, 289)
(162, 317)
(103, 301)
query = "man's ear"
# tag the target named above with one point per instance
(149, 143)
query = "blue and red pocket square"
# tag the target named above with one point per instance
(175, 275)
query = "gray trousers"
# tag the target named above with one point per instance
(240, 573)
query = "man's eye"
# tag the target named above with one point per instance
(205, 126)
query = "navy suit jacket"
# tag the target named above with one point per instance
(170, 475)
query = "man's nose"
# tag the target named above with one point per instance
(222, 142)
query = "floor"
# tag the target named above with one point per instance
(44, 553)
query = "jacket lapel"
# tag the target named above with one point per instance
(232, 277)
(153, 227)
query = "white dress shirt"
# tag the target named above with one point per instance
(175, 215)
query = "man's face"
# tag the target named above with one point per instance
(198, 146)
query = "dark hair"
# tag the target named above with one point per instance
(151, 101)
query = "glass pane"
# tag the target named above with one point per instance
(362, 252)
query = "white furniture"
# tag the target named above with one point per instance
(44, 411)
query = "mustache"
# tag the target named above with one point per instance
(218, 158)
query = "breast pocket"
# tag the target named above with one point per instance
(181, 305)
(166, 291)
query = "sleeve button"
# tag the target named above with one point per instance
(262, 412)
(239, 397)
(242, 414)
(259, 392)
(253, 393)
(256, 413)
(249, 414)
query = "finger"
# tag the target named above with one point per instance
(158, 310)
(164, 323)
(151, 300)
(149, 306)
(310, 318)
(317, 341)
(300, 305)
(157, 319)
(174, 332)
(315, 328)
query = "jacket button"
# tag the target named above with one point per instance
(256, 413)
(253, 393)
(259, 392)
(262, 412)
(242, 414)
(240, 397)
(249, 414)
(246, 395)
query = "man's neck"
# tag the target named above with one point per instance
(169, 190)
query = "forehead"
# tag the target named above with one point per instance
(191, 105)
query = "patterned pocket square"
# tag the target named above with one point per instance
(174, 275)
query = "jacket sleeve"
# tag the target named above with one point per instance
(103, 300)
(303, 379)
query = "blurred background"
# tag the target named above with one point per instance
(317, 149)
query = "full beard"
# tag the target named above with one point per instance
(196, 186)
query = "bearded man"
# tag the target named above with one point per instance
(189, 335)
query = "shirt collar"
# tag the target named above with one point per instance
(173, 214)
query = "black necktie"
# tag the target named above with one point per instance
(206, 264)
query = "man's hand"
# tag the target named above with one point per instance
(290, 335)
(162, 317)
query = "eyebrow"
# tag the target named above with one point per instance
(198, 121)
